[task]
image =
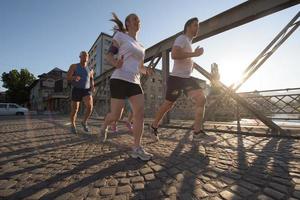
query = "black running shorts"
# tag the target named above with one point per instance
(177, 85)
(120, 89)
(79, 93)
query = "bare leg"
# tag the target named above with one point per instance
(199, 100)
(117, 106)
(88, 102)
(74, 110)
(137, 103)
(163, 109)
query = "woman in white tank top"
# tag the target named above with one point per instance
(127, 56)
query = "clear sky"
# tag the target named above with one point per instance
(43, 34)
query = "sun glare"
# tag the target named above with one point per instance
(231, 69)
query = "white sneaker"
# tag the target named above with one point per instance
(141, 154)
(103, 135)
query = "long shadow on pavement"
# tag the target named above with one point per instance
(47, 149)
(257, 177)
(177, 163)
(40, 147)
(28, 191)
(30, 140)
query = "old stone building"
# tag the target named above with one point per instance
(154, 97)
(50, 92)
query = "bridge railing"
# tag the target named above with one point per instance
(276, 104)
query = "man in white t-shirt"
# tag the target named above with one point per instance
(180, 80)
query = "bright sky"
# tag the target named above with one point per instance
(43, 34)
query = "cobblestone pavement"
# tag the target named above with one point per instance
(40, 159)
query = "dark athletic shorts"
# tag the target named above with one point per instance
(79, 93)
(177, 85)
(120, 89)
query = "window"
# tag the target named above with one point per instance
(12, 106)
(2, 105)
(107, 42)
(50, 80)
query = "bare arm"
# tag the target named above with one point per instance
(70, 73)
(92, 80)
(117, 63)
(145, 70)
(142, 68)
(178, 53)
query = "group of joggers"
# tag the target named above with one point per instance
(126, 55)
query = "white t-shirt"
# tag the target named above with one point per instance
(133, 54)
(183, 67)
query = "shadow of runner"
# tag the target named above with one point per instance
(126, 165)
(278, 180)
(9, 174)
(65, 144)
(242, 160)
(28, 129)
(38, 148)
(188, 186)
(30, 140)
(28, 191)
(242, 164)
(258, 180)
(175, 164)
(252, 177)
(282, 169)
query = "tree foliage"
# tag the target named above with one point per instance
(17, 83)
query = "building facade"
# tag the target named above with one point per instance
(153, 93)
(3, 97)
(97, 53)
(50, 92)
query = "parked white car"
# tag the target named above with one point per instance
(12, 109)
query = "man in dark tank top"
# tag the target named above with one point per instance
(82, 79)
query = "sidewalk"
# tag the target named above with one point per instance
(40, 159)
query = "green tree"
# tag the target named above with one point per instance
(18, 84)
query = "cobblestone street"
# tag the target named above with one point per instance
(41, 159)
